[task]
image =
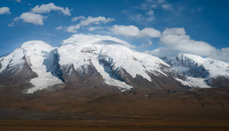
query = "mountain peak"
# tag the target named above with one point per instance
(201, 71)
(35, 43)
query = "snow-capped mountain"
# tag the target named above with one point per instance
(32, 60)
(86, 60)
(200, 72)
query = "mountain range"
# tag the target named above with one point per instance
(94, 61)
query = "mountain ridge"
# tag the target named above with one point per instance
(199, 70)
(97, 61)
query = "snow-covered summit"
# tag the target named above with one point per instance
(105, 52)
(41, 45)
(213, 66)
(199, 71)
(38, 56)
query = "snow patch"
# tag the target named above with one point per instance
(197, 82)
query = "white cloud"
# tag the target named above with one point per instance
(95, 20)
(11, 24)
(30, 17)
(59, 28)
(133, 31)
(78, 18)
(221, 54)
(150, 32)
(125, 30)
(73, 28)
(167, 7)
(176, 41)
(46, 8)
(88, 21)
(5, 10)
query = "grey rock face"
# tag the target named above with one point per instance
(87, 76)
(195, 70)
(17, 74)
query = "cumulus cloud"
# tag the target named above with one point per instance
(125, 30)
(46, 8)
(150, 32)
(175, 40)
(5, 10)
(30, 17)
(78, 18)
(73, 28)
(133, 31)
(34, 17)
(88, 21)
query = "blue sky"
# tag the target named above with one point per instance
(158, 27)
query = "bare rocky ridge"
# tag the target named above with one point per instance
(17, 74)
